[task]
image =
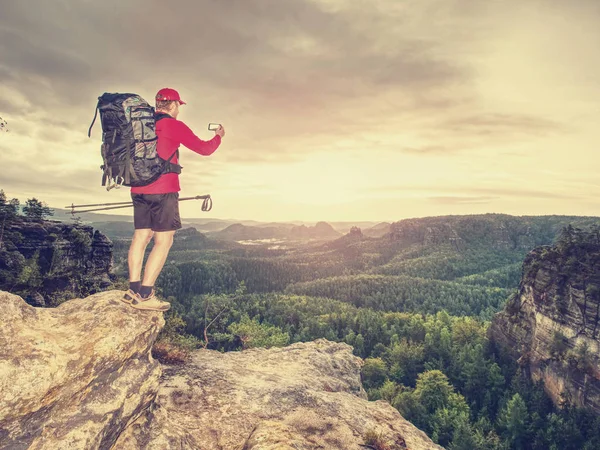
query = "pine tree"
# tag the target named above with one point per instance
(513, 419)
(36, 210)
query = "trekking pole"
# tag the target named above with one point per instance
(206, 205)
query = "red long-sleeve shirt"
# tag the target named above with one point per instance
(172, 132)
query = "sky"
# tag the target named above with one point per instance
(335, 110)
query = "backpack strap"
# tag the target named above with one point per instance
(169, 166)
(93, 122)
(172, 167)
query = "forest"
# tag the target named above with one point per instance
(415, 304)
(417, 314)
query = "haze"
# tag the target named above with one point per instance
(334, 110)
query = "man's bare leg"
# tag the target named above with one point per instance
(162, 244)
(135, 259)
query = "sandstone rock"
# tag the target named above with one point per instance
(81, 376)
(499, 231)
(559, 295)
(74, 376)
(72, 260)
(304, 396)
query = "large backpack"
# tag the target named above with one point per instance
(129, 142)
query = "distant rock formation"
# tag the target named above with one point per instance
(552, 326)
(354, 236)
(44, 260)
(379, 230)
(499, 231)
(239, 232)
(322, 230)
(81, 376)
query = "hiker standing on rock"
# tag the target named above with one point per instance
(156, 206)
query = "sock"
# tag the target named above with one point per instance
(135, 286)
(145, 291)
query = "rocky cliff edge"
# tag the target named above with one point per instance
(81, 376)
(552, 325)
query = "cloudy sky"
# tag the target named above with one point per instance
(333, 109)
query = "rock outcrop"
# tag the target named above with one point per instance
(74, 377)
(322, 230)
(44, 260)
(307, 395)
(499, 231)
(239, 232)
(81, 376)
(552, 326)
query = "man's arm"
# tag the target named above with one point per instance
(194, 143)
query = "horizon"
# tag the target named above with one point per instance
(330, 109)
(375, 222)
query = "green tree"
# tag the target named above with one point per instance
(81, 241)
(464, 437)
(582, 358)
(389, 391)
(513, 420)
(373, 373)
(8, 208)
(8, 211)
(252, 333)
(411, 408)
(30, 275)
(558, 345)
(359, 345)
(36, 210)
(433, 390)
(405, 360)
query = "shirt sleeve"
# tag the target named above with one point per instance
(194, 143)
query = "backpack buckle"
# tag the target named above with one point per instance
(116, 184)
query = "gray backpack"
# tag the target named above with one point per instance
(129, 142)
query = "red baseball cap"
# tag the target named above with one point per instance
(169, 94)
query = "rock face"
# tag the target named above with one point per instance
(552, 326)
(322, 230)
(46, 260)
(304, 396)
(379, 230)
(499, 231)
(81, 376)
(74, 377)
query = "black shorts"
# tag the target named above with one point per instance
(159, 212)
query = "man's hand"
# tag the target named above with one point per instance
(220, 131)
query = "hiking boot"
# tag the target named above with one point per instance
(128, 297)
(151, 303)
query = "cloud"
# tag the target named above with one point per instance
(429, 150)
(461, 199)
(496, 125)
(471, 192)
(408, 84)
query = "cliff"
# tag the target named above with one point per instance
(237, 232)
(81, 376)
(551, 326)
(499, 231)
(48, 262)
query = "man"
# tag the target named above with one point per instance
(156, 206)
